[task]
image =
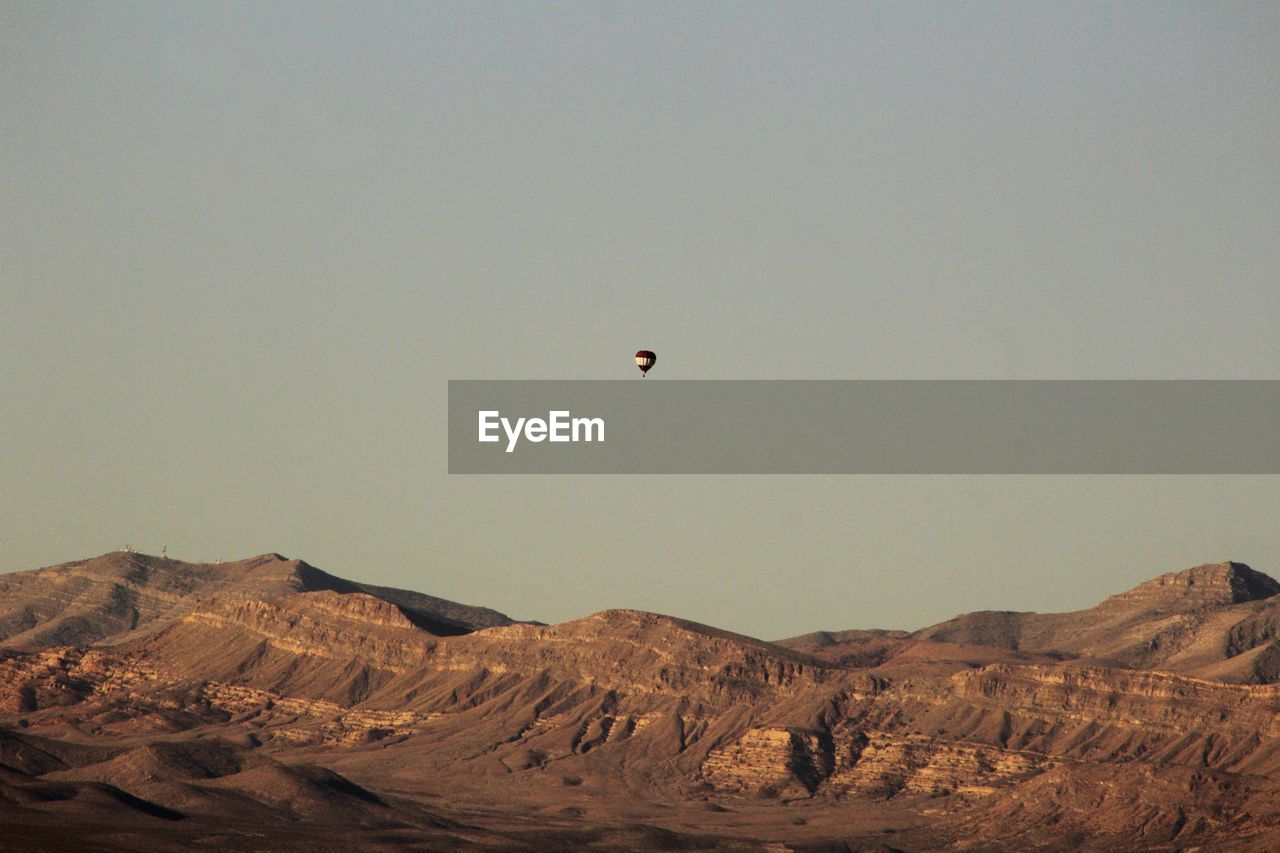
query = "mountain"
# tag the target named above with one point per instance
(154, 704)
(1215, 621)
(1219, 621)
(111, 597)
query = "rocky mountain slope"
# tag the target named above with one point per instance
(268, 703)
(107, 598)
(1219, 621)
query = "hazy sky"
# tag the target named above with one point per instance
(244, 245)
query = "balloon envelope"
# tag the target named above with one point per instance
(645, 360)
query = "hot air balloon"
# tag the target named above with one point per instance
(644, 361)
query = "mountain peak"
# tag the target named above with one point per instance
(1205, 585)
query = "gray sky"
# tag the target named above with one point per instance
(243, 247)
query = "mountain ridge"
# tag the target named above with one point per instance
(1197, 621)
(269, 702)
(108, 598)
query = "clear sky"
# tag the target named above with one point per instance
(244, 245)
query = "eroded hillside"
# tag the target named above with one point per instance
(143, 704)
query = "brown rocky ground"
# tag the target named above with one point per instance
(264, 704)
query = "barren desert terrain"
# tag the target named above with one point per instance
(148, 703)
